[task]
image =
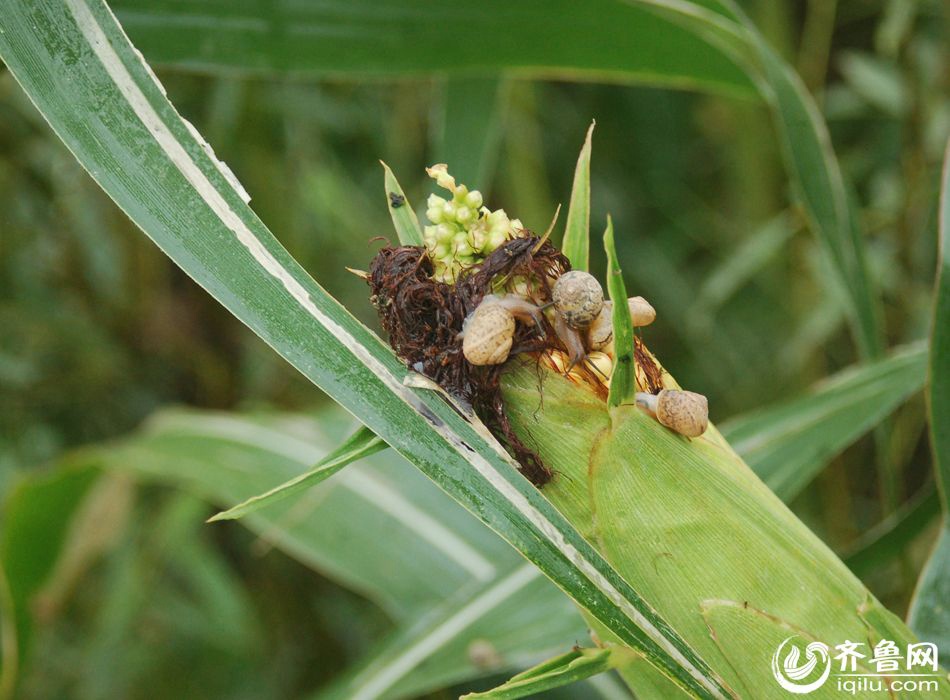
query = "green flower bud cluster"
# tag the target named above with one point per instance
(463, 231)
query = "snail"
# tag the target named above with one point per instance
(578, 298)
(489, 330)
(600, 335)
(684, 412)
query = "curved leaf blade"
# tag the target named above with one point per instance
(891, 537)
(360, 444)
(570, 667)
(787, 445)
(112, 113)
(576, 243)
(623, 382)
(806, 144)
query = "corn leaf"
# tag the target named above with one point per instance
(929, 615)
(623, 382)
(576, 243)
(399, 37)
(891, 537)
(930, 609)
(404, 217)
(789, 444)
(806, 144)
(567, 668)
(360, 444)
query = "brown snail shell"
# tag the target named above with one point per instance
(578, 298)
(684, 412)
(601, 331)
(488, 334)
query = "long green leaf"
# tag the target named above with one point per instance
(929, 615)
(623, 382)
(576, 243)
(567, 668)
(226, 459)
(890, 538)
(930, 608)
(362, 443)
(111, 112)
(806, 145)
(398, 37)
(789, 444)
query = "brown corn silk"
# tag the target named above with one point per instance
(423, 319)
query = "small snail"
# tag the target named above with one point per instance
(601, 331)
(684, 412)
(489, 330)
(578, 298)
(487, 335)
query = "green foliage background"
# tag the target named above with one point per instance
(100, 330)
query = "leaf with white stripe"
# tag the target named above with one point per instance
(80, 70)
(470, 635)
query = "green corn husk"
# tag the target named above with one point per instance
(685, 521)
(692, 528)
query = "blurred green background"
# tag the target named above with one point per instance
(100, 330)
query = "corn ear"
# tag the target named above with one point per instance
(686, 522)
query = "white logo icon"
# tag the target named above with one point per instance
(790, 675)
